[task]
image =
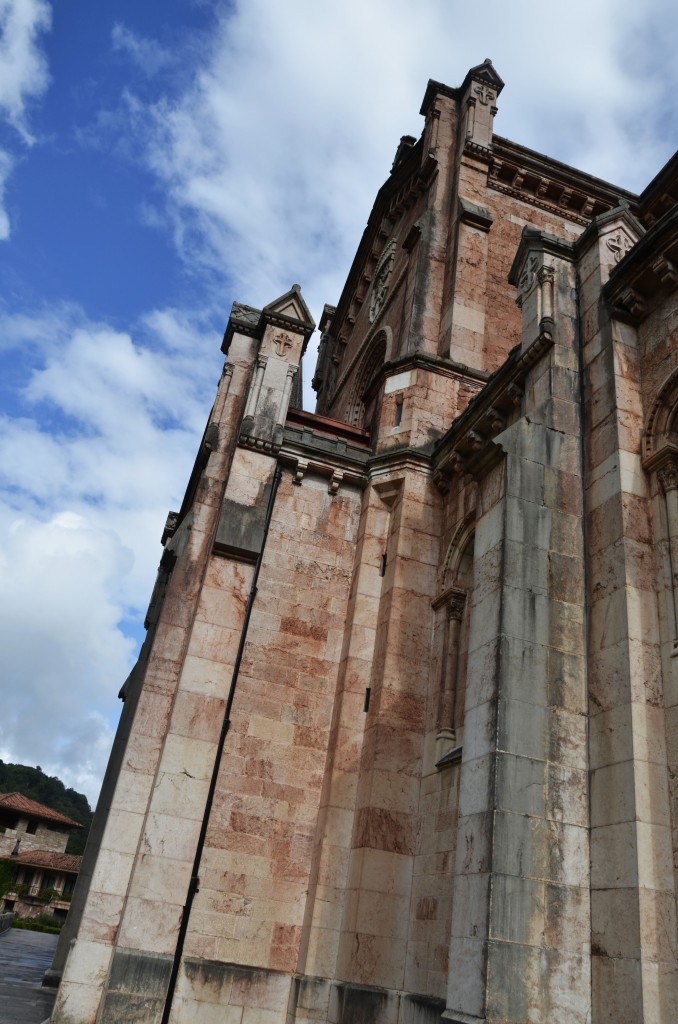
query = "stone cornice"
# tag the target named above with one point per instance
(454, 599)
(250, 321)
(551, 185)
(663, 456)
(316, 444)
(434, 89)
(649, 268)
(394, 461)
(661, 194)
(306, 451)
(431, 364)
(468, 445)
(533, 238)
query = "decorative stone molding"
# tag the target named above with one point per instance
(527, 280)
(335, 481)
(336, 457)
(646, 270)
(528, 176)
(473, 215)
(665, 271)
(171, 524)
(455, 551)
(382, 276)
(660, 440)
(480, 152)
(668, 476)
(299, 470)
(282, 343)
(287, 312)
(619, 245)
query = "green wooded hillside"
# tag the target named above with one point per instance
(50, 791)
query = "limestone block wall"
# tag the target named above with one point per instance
(332, 854)
(255, 873)
(45, 837)
(634, 935)
(376, 922)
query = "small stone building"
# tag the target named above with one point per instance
(33, 841)
(402, 741)
(26, 824)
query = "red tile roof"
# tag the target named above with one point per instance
(21, 804)
(67, 862)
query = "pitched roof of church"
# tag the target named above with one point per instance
(32, 809)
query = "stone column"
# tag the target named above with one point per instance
(448, 712)
(253, 395)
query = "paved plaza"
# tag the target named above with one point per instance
(24, 958)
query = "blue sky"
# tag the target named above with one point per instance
(158, 161)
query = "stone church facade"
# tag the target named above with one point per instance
(402, 741)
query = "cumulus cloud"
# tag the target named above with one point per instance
(23, 68)
(103, 445)
(24, 76)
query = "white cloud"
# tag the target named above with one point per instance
(23, 67)
(24, 76)
(6, 164)
(108, 429)
(149, 56)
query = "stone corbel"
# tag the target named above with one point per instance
(665, 271)
(633, 302)
(440, 479)
(495, 420)
(335, 481)
(299, 471)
